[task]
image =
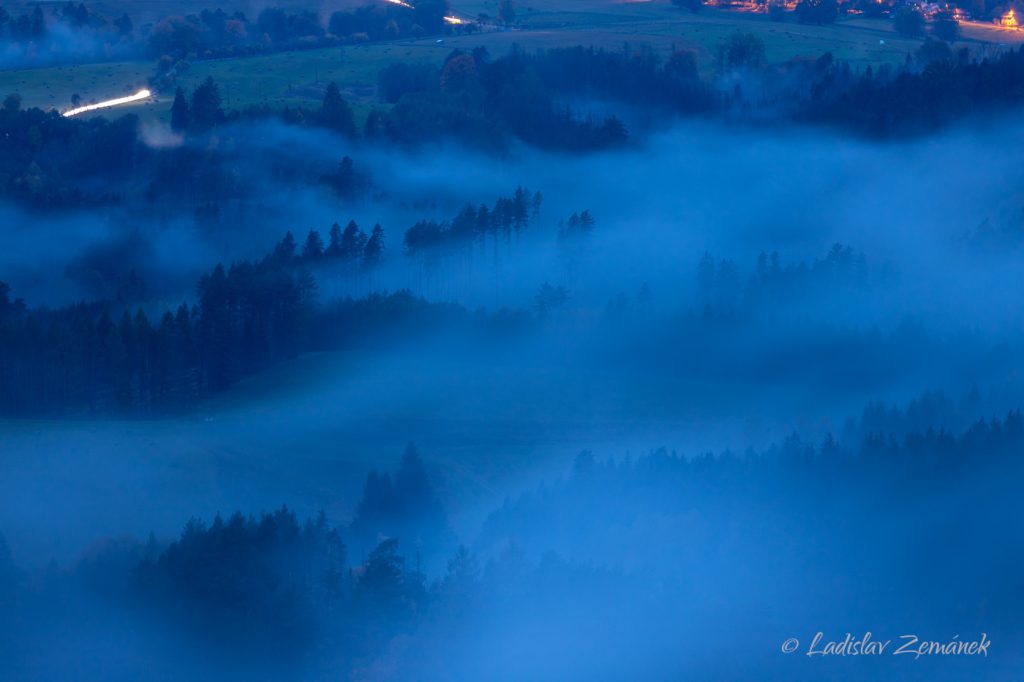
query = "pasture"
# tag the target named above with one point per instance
(297, 78)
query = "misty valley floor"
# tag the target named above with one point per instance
(414, 341)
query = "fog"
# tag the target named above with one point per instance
(64, 44)
(660, 205)
(910, 209)
(619, 576)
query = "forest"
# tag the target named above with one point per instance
(67, 32)
(279, 595)
(50, 161)
(502, 349)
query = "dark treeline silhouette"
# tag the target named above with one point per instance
(574, 246)
(349, 256)
(351, 246)
(248, 583)
(720, 287)
(60, 32)
(82, 358)
(276, 590)
(508, 216)
(637, 75)
(246, 317)
(177, 40)
(218, 33)
(387, 21)
(549, 298)
(480, 100)
(884, 461)
(49, 161)
(915, 100)
(401, 505)
(774, 320)
(45, 158)
(690, 536)
(526, 92)
(450, 253)
(29, 26)
(471, 99)
(932, 410)
(577, 226)
(202, 110)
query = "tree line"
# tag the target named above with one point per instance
(85, 358)
(481, 100)
(486, 102)
(41, 36)
(63, 31)
(941, 88)
(215, 34)
(280, 594)
(44, 157)
(720, 286)
(49, 161)
(508, 216)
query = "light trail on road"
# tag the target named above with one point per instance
(137, 97)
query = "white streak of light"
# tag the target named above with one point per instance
(452, 20)
(140, 95)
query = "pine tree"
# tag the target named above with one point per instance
(483, 221)
(284, 252)
(180, 116)
(520, 208)
(335, 112)
(538, 199)
(373, 252)
(206, 111)
(313, 249)
(9, 308)
(123, 24)
(586, 221)
(376, 126)
(353, 240)
(463, 571)
(334, 242)
(38, 29)
(382, 578)
(464, 224)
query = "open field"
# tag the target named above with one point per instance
(281, 79)
(53, 87)
(298, 78)
(143, 11)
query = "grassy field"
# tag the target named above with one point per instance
(143, 11)
(298, 78)
(53, 87)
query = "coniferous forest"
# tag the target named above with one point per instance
(498, 348)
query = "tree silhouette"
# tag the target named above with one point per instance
(909, 21)
(180, 117)
(206, 111)
(335, 112)
(313, 249)
(373, 252)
